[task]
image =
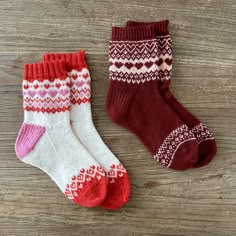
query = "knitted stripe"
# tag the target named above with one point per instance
(46, 87)
(73, 60)
(132, 33)
(161, 27)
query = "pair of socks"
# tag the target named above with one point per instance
(139, 99)
(58, 135)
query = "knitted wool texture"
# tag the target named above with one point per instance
(134, 102)
(206, 141)
(118, 191)
(46, 141)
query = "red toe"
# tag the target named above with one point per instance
(118, 189)
(89, 188)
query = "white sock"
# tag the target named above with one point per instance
(46, 140)
(82, 125)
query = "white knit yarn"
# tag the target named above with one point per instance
(83, 128)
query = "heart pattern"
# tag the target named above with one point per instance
(168, 61)
(138, 65)
(79, 83)
(74, 76)
(175, 138)
(54, 96)
(78, 181)
(31, 93)
(42, 93)
(64, 92)
(148, 64)
(159, 62)
(85, 75)
(80, 88)
(118, 64)
(116, 171)
(53, 93)
(129, 65)
(46, 96)
(58, 85)
(25, 86)
(68, 84)
(133, 61)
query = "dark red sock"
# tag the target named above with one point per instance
(206, 141)
(135, 103)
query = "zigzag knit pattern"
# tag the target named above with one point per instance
(206, 141)
(48, 96)
(133, 61)
(80, 86)
(171, 143)
(141, 61)
(46, 140)
(137, 104)
(165, 57)
(84, 177)
(202, 133)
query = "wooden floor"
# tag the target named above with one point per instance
(163, 202)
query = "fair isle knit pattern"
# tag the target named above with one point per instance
(206, 141)
(46, 141)
(80, 86)
(164, 46)
(171, 144)
(80, 180)
(141, 61)
(133, 61)
(134, 101)
(48, 96)
(80, 95)
(165, 57)
(118, 188)
(115, 172)
(202, 133)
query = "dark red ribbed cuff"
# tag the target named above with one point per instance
(73, 60)
(45, 70)
(161, 27)
(132, 33)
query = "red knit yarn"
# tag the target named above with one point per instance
(134, 102)
(206, 141)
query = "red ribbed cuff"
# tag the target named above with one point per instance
(161, 27)
(132, 33)
(45, 70)
(73, 60)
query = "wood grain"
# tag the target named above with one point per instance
(163, 202)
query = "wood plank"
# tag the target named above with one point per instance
(163, 202)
